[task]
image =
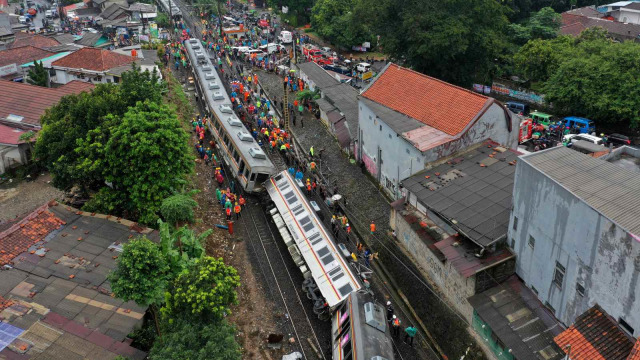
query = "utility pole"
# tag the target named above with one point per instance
(170, 2)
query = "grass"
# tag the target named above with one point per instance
(177, 97)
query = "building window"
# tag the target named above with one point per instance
(535, 291)
(580, 289)
(380, 127)
(406, 149)
(515, 223)
(626, 326)
(513, 243)
(532, 242)
(558, 276)
(553, 311)
(389, 136)
(370, 117)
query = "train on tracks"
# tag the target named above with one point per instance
(174, 10)
(239, 150)
(333, 281)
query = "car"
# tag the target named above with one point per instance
(517, 107)
(617, 139)
(241, 49)
(91, 30)
(363, 67)
(569, 138)
(22, 19)
(271, 48)
(285, 37)
(48, 14)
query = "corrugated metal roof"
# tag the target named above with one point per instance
(398, 122)
(317, 74)
(609, 189)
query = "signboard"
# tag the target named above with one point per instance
(478, 87)
(368, 75)
(517, 94)
(153, 30)
(366, 44)
(8, 69)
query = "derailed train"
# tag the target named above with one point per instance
(358, 324)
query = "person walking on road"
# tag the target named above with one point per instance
(372, 227)
(409, 334)
(395, 326)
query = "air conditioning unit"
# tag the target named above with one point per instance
(209, 75)
(193, 41)
(218, 96)
(213, 85)
(374, 316)
(207, 68)
(225, 108)
(257, 153)
(234, 121)
(245, 136)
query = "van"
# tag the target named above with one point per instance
(22, 19)
(270, 48)
(363, 67)
(48, 14)
(518, 108)
(541, 118)
(285, 37)
(583, 125)
(570, 138)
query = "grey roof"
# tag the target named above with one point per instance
(98, 2)
(89, 39)
(398, 122)
(477, 197)
(142, 7)
(632, 6)
(65, 47)
(113, 11)
(609, 189)
(324, 105)
(517, 318)
(87, 12)
(5, 31)
(62, 290)
(345, 98)
(586, 11)
(318, 75)
(64, 38)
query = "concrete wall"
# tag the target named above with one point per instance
(11, 156)
(629, 16)
(454, 286)
(595, 252)
(390, 158)
(63, 77)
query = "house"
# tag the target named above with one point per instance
(13, 151)
(55, 299)
(35, 40)
(576, 20)
(141, 11)
(453, 220)
(575, 229)
(89, 65)
(595, 335)
(93, 40)
(11, 59)
(338, 103)
(408, 119)
(146, 60)
(22, 105)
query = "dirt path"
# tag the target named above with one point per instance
(20, 198)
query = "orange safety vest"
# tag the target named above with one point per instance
(242, 201)
(396, 322)
(228, 211)
(373, 227)
(308, 187)
(237, 209)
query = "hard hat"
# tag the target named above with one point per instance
(394, 316)
(388, 303)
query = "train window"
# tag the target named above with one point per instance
(241, 167)
(236, 156)
(344, 331)
(327, 259)
(344, 317)
(246, 173)
(315, 238)
(345, 290)
(322, 252)
(305, 220)
(308, 227)
(262, 178)
(253, 176)
(298, 210)
(335, 278)
(333, 272)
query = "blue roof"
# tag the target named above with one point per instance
(574, 118)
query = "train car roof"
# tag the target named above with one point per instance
(329, 270)
(175, 10)
(368, 319)
(219, 103)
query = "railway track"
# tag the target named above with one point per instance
(283, 284)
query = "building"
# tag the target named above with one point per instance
(454, 222)
(576, 20)
(595, 335)
(140, 11)
(35, 40)
(408, 119)
(575, 229)
(55, 300)
(22, 105)
(13, 152)
(12, 59)
(338, 103)
(89, 65)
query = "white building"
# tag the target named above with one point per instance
(89, 65)
(407, 120)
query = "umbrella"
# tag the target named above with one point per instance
(32, 11)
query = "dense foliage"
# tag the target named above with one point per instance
(197, 341)
(178, 208)
(38, 75)
(543, 24)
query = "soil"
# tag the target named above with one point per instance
(21, 197)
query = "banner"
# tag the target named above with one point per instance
(478, 87)
(523, 95)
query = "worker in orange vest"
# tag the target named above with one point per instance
(372, 227)
(308, 188)
(395, 326)
(228, 210)
(237, 210)
(242, 201)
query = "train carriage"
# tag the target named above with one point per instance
(239, 150)
(174, 10)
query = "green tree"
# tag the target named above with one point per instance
(454, 40)
(38, 75)
(197, 341)
(538, 59)
(341, 22)
(543, 24)
(178, 208)
(144, 157)
(29, 138)
(181, 247)
(204, 291)
(307, 94)
(162, 20)
(141, 275)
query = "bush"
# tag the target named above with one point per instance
(178, 208)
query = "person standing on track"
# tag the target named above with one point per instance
(237, 209)
(389, 311)
(395, 326)
(409, 333)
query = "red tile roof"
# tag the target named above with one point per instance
(441, 105)
(34, 228)
(572, 29)
(22, 55)
(39, 41)
(595, 336)
(93, 59)
(30, 101)
(9, 135)
(635, 352)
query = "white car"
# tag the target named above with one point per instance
(363, 67)
(241, 49)
(569, 138)
(48, 14)
(271, 48)
(22, 19)
(285, 37)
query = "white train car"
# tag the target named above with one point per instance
(239, 150)
(175, 10)
(329, 277)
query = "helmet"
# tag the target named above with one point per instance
(394, 317)
(388, 303)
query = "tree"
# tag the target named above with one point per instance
(178, 208)
(538, 59)
(162, 20)
(204, 291)
(307, 94)
(144, 157)
(38, 75)
(181, 247)
(28, 137)
(336, 21)
(454, 40)
(141, 275)
(543, 24)
(197, 341)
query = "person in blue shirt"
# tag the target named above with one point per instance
(299, 175)
(292, 171)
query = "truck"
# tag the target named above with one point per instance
(285, 37)
(311, 52)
